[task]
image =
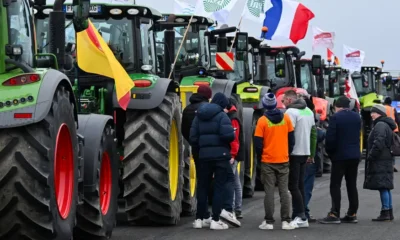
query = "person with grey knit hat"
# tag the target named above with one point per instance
(274, 141)
(379, 163)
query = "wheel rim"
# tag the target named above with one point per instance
(251, 158)
(64, 171)
(192, 177)
(173, 160)
(105, 183)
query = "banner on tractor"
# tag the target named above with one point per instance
(352, 58)
(224, 61)
(322, 38)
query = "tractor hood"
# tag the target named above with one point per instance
(191, 80)
(368, 100)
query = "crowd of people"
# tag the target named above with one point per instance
(286, 145)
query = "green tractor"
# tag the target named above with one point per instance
(59, 168)
(148, 134)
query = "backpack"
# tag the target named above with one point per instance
(395, 147)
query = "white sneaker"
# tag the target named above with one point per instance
(299, 223)
(266, 226)
(207, 222)
(230, 218)
(198, 223)
(218, 225)
(288, 226)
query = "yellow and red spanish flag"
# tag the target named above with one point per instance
(94, 56)
(330, 54)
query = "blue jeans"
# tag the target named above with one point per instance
(386, 199)
(231, 190)
(309, 179)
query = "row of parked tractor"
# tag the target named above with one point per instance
(73, 162)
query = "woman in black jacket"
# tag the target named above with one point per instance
(379, 165)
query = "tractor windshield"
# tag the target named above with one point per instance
(117, 33)
(20, 29)
(363, 83)
(306, 78)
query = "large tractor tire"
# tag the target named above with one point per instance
(250, 163)
(97, 215)
(189, 203)
(39, 175)
(153, 163)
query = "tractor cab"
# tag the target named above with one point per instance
(127, 29)
(334, 81)
(194, 54)
(365, 81)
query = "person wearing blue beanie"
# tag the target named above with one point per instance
(221, 100)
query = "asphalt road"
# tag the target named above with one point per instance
(253, 212)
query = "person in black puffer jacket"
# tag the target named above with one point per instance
(379, 165)
(212, 133)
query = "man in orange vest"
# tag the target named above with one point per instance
(392, 113)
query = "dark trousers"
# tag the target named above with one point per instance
(221, 170)
(206, 214)
(309, 179)
(229, 191)
(348, 169)
(296, 183)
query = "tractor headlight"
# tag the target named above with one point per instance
(115, 11)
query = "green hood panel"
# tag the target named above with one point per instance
(367, 101)
(249, 96)
(190, 80)
(11, 93)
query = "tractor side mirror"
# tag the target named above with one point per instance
(388, 80)
(280, 65)
(241, 42)
(316, 64)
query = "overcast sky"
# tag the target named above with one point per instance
(372, 26)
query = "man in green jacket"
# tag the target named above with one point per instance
(305, 133)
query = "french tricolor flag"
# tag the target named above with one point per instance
(286, 19)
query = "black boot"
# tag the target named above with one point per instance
(385, 216)
(391, 214)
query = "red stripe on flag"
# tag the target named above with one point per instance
(300, 23)
(222, 62)
(93, 37)
(124, 101)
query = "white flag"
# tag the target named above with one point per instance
(352, 58)
(322, 38)
(350, 90)
(183, 7)
(219, 10)
(254, 10)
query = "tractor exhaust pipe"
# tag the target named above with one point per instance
(57, 33)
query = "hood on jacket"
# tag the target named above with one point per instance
(389, 121)
(299, 104)
(197, 98)
(275, 116)
(232, 109)
(208, 111)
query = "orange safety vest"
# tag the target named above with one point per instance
(390, 113)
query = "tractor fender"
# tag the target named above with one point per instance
(148, 98)
(227, 87)
(91, 128)
(49, 83)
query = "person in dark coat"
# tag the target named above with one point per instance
(379, 163)
(212, 133)
(342, 143)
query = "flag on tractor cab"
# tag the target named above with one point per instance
(94, 56)
(329, 56)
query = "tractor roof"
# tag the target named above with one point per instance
(184, 19)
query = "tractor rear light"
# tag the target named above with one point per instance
(22, 80)
(22, 115)
(121, 158)
(250, 89)
(142, 83)
(198, 83)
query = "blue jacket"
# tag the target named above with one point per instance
(342, 140)
(212, 132)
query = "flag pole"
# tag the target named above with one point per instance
(180, 47)
(234, 38)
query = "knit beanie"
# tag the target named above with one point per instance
(387, 101)
(220, 99)
(380, 109)
(205, 91)
(342, 102)
(269, 101)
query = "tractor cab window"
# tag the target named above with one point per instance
(276, 81)
(306, 78)
(20, 31)
(147, 39)
(188, 56)
(239, 69)
(363, 83)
